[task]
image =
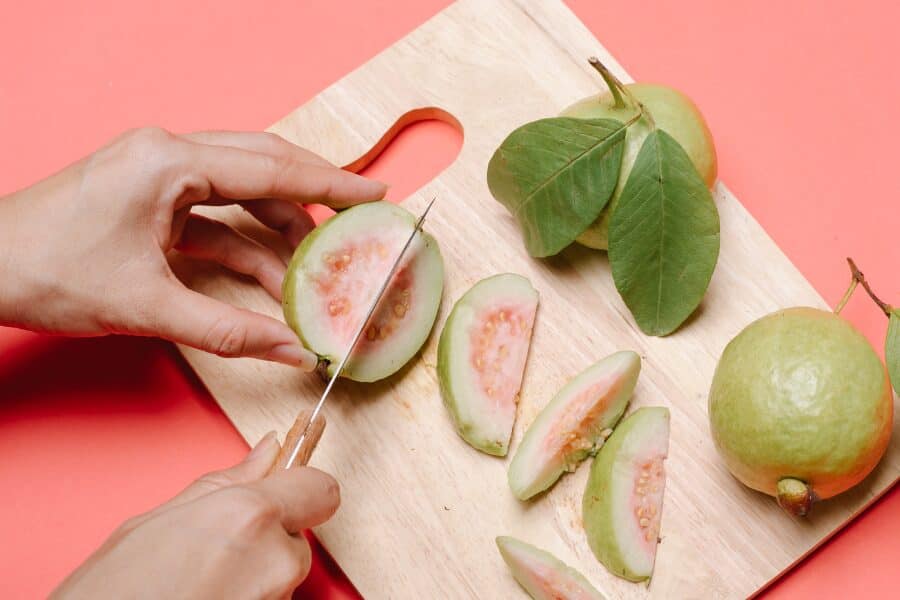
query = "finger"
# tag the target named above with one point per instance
(208, 239)
(288, 218)
(246, 175)
(289, 565)
(258, 141)
(305, 496)
(189, 318)
(254, 467)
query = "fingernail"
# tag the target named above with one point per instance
(295, 355)
(263, 445)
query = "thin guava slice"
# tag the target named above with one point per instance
(622, 505)
(481, 359)
(336, 272)
(575, 423)
(542, 575)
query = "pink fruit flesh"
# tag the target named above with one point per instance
(499, 347)
(647, 497)
(567, 434)
(346, 286)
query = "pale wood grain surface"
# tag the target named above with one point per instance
(420, 508)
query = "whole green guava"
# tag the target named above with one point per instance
(673, 112)
(800, 407)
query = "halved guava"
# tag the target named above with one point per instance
(622, 505)
(542, 575)
(334, 276)
(481, 359)
(575, 423)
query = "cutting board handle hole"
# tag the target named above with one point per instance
(414, 150)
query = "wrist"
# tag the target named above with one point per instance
(11, 292)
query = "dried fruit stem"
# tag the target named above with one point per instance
(859, 277)
(847, 294)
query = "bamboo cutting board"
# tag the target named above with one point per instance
(420, 508)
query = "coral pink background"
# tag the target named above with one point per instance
(802, 100)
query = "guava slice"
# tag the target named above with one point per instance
(575, 423)
(481, 359)
(542, 575)
(622, 505)
(336, 272)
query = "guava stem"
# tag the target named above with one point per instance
(847, 294)
(858, 276)
(611, 81)
(794, 496)
(617, 88)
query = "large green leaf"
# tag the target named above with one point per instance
(663, 236)
(555, 176)
(892, 349)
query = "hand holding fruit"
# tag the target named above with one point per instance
(85, 251)
(230, 534)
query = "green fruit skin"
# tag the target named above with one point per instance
(288, 287)
(567, 579)
(468, 431)
(674, 113)
(800, 393)
(597, 505)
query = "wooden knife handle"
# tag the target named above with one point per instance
(309, 443)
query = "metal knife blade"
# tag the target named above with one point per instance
(357, 336)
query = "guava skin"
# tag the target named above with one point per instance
(674, 113)
(800, 394)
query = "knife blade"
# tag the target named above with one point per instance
(311, 430)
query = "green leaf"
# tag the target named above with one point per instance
(892, 349)
(663, 236)
(555, 176)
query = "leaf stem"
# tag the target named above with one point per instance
(859, 277)
(611, 81)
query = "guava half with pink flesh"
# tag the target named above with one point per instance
(574, 424)
(335, 274)
(622, 505)
(542, 575)
(481, 359)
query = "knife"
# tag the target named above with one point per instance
(303, 436)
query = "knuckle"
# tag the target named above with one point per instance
(214, 480)
(226, 337)
(250, 511)
(272, 141)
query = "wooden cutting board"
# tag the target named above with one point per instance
(420, 508)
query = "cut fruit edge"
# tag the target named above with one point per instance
(624, 497)
(574, 424)
(542, 575)
(482, 355)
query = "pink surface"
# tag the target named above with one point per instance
(801, 101)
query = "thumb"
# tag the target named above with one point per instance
(193, 319)
(254, 467)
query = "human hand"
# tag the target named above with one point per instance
(231, 534)
(84, 252)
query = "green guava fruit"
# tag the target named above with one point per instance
(481, 359)
(622, 505)
(800, 406)
(542, 575)
(574, 424)
(334, 276)
(673, 112)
